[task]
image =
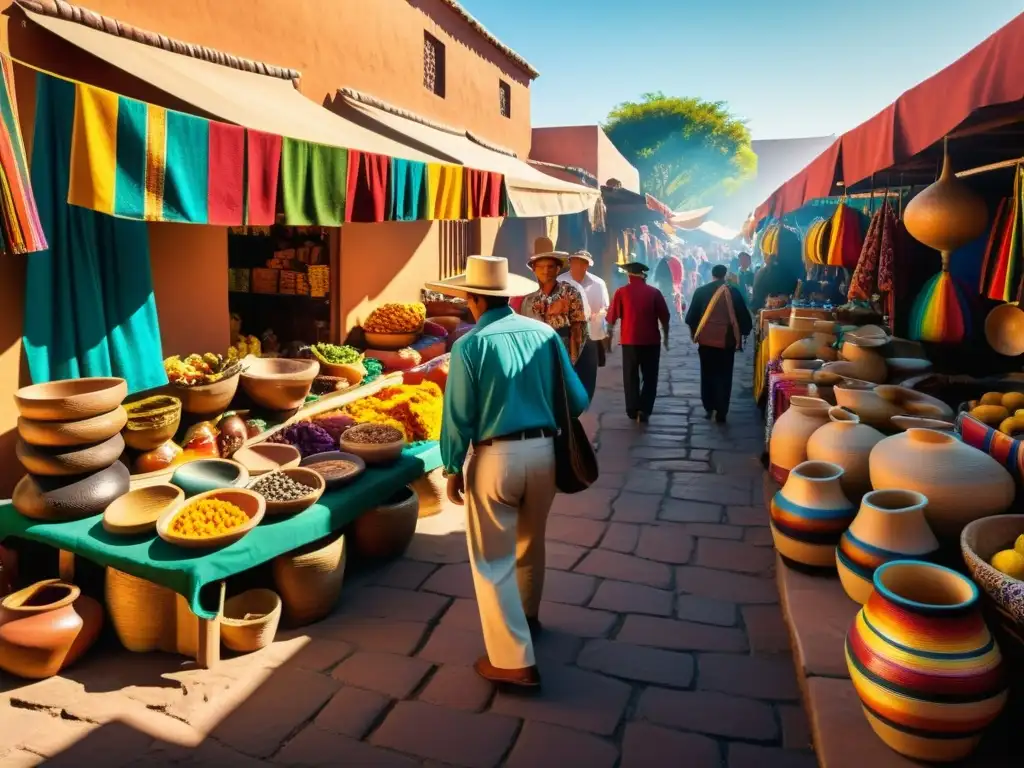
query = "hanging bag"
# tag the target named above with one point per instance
(575, 461)
(713, 330)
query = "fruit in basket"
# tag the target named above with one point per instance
(396, 318)
(991, 398)
(992, 415)
(208, 518)
(1010, 562)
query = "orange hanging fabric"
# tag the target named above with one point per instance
(847, 240)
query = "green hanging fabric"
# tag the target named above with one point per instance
(314, 181)
(89, 305)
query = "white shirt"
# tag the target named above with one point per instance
(595, 302)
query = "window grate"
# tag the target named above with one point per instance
(505, 98)
(456, 242)
(433, 64)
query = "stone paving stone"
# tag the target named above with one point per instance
(394, 676)
(576, 621)
(733, 556)
(610, 480)
(636, 508)
(19, 758)
(448, 735)
(459, 688)
(678, 465)
(621, 537)
(665, 543)
(449, 644)
(647, 746)
(593, 504)
(699, 454)
(404, 574)
(612, 565)
(796, 731)
(558, 647)
(650, 453)
(623, 597)
(751, 756)
(209, 753)
(316, 747)
(388, 603)
(541, 745)
(707, 712)
(563, 557)
(766, 629)
(818, 614)
(677, 511)
(758, 677)
(575, 530)
(758, 536)
(725, 585)
(320, 655)
(681, 635)
(646, 481)
(710, 492)
(742, 515)
(634, 662)
(462, 614)
(383, 635)
(572, 698)
(569, 588)
(352, 712)
(713, 530)
(455, 580)
(438, 549)
(706, 610)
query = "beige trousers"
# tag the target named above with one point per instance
(509, 489)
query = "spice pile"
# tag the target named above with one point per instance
(373, 434)
(396, 318)
(335, 469)
(308, 438)
(335, 355)
(414, 409)
(208, 518)
(277, 486)
(374, 368)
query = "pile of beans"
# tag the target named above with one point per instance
(277, 486)
(373, 434)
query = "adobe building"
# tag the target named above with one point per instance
(586, 147)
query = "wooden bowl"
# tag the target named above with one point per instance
(70, 399)
(248, 501)
(207, 399)
(318, 458)
(267, 457)
(303, 475)
(64, 462)
(152, 421)
(60, 499)
(137, 511)
(67, 434)
(205, 475)
(372, 453)
(278, 384)
(390, 341)
(250, 620)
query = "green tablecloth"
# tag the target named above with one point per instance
(186, 571)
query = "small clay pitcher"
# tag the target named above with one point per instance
(45, 628)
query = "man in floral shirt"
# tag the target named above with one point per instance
(559, 304)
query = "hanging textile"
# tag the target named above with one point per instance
(22, 232)
(444, 191)
(846, 243)
(941, 312)
(367, 185)
(263, 169)
(89, 305)
(407, 201)
(993, 244)
(484, 193)
(314, 180)
(226, 163)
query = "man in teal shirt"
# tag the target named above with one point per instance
(498, 451)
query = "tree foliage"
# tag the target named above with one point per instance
(689, 152)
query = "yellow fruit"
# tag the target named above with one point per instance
(1013, 401)
(992, 398)
(1019, 544)
(993, 415)
(1010, 562)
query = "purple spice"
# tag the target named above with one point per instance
(308, 438)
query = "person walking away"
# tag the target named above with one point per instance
(719, 320)
(559, 304)
(641, 308)
(746, 275)
(595, 292)
(675, 266)
(500, 460)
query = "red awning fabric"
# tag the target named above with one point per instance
(991, 73)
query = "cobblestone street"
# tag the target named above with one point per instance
(664, 644)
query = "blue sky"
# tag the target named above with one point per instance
(790, 68)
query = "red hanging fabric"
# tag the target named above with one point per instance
(484, 193)
(263, 164)
(367, 187)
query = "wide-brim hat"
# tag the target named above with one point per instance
(543, 245)
(583, 255)
(485, 276)
(560, 256)
(635, 268)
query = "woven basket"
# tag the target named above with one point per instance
(431, 490)
(309, 580)
(250, 620)
(386, 531)
(148, 617)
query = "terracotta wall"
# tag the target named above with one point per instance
(586, 147)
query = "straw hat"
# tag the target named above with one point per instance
(560, 256)
(485, 276)
(583, 255)
(543, 245)
(1004, 330)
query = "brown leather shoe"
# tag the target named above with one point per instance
(528, 677)
(535, 625)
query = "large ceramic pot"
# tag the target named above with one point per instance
(792, 430)
(848, 443)
(387, 530)
(946, 215)
(962, 483)
(309, 580)
(45, 628)
(890, 525)
(928, 673)
(810, 513)
(59, 499)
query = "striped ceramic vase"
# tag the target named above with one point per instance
(810, 513)
(928, 672)
(889, 526)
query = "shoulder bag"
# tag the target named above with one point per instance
(575, 461)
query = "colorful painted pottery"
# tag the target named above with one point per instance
(890, 525)
(45, 628)
(810, 513)
(788, 444)
(962, 483)
(927, 670)
(846, 442)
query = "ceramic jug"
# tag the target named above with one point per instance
(810, 513)
(788, 444)
(848, 443)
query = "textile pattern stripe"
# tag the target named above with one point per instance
(22, 231)
(941, 312)
(444, 192)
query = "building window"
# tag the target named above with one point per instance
(505, 98)
(433, 64)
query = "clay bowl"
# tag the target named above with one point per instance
(60, 499)
(978, 542)
(317, 486)
(371, 453)
(67, 434)
(207, 399)
(390, 341)
(152, 421)
(310, 462)
(248, 501)
(70, 399)
(278, 384)
(65, 462)
(353, 373)
(205, 475)
(137, 511)
(862, 399)
(267, 457)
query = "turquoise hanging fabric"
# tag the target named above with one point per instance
(89, 305)
(407, 201)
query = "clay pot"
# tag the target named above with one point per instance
(890, 525)
(846, 442)
(64, 462)
(862, 399)
(927, 671)
(278, 384)
(55, 434)
(810, 513)
(207, 399)
(204, 475)
(152, 422)
(45, 628)
(915, 403)
(946, 215)
(309, 580)
(781, 336)
(962, 483)
(59, 499)
(788, 445)
(804, 349)
(868, 364)
(70, 399)
(386, 531)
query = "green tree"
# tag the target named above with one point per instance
(689, 152)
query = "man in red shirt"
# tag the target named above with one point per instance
(642, 309)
